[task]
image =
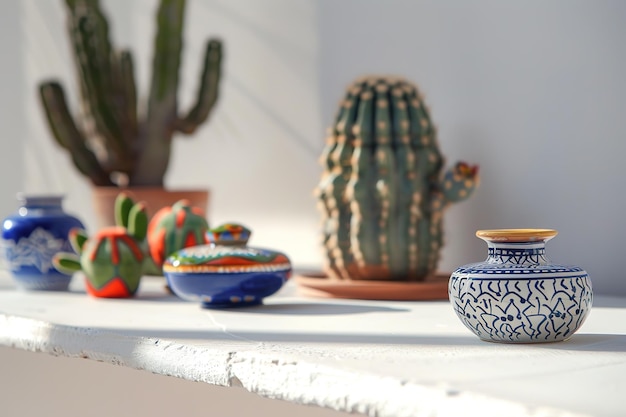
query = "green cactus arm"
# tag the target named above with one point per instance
(77, 238)
(156, 132)
(208, 91)
(138, 222)
(166, 60)
(93, 52)
(122, 207)
(66, 263)
(66, 133)
(126, 92)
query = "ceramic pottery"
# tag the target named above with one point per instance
(517, 295)
(32, 236)
(112, 261)
(176, 227)
(226, 275)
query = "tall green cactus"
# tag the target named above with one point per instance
(382, 193)
(111, 144)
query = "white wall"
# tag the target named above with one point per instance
(12, 116)
(531, 91)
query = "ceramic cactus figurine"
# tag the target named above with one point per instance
(383, 193)
(124, 205)
(111, 138)
(112, 260)
(174, 228)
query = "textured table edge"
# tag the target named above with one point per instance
(274, 376)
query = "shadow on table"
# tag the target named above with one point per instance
(581, 342)
(316, 309)
(578, 343)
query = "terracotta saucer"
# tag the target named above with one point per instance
(319, 285)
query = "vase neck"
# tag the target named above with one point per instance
(40, 205)
(518, 253)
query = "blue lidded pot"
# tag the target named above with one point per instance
(226, 272)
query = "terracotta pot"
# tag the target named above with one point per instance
(434, 287)
(154, 197)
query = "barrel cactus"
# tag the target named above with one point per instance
(383, 193)
(113, 259)
(112, 144)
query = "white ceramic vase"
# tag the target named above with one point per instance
(517, 295)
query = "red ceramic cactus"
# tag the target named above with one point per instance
(176, 227)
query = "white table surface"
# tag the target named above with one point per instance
(370, 357)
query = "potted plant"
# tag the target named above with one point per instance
(111, 142)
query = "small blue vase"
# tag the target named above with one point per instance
(32, 236)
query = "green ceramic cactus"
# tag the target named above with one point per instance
(111, 144)
(113, 259)
(174, 228)
(382, 193)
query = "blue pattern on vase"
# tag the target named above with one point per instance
(31, 237)
(522, 310)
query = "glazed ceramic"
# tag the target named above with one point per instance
(32, 236)
(112, 261)
(517, 295)
(228, 274)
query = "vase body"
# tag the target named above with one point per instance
(517, 295)
(32, 236)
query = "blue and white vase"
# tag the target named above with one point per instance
(517, 295)
(31, 237)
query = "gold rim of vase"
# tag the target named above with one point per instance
(516, 235)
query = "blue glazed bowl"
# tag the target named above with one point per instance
(226, 276)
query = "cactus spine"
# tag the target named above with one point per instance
(382, 193)
(111, 145)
